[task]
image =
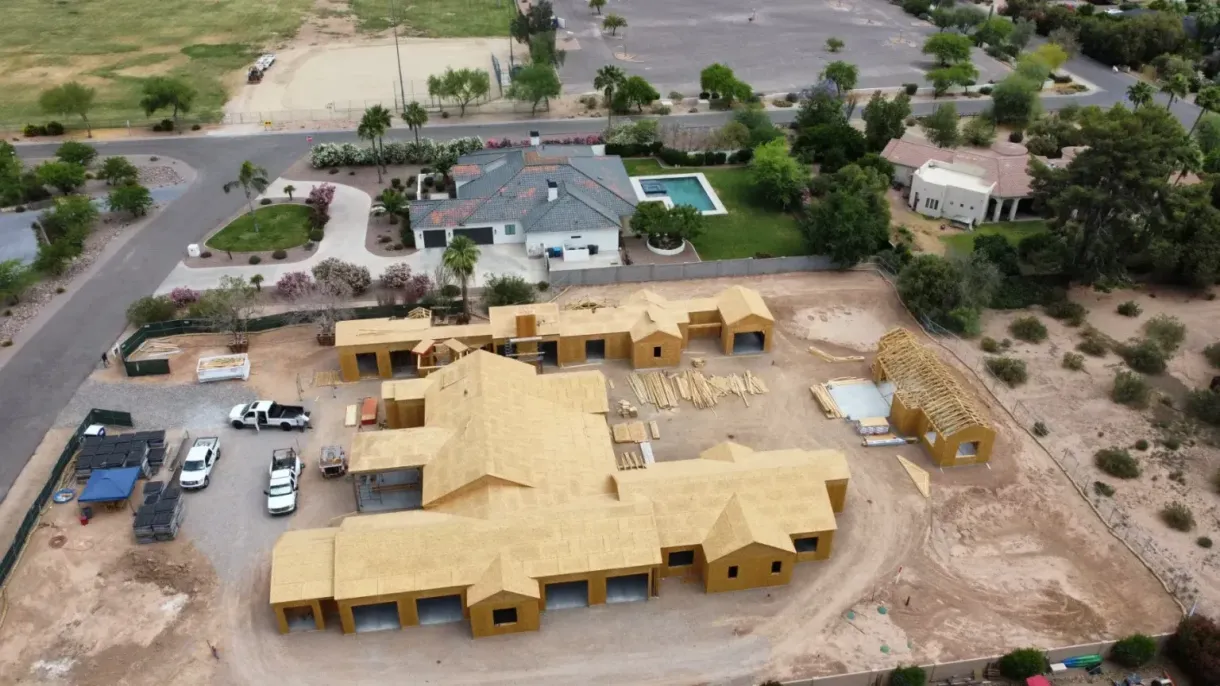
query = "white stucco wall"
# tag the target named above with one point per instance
(500, 233)
(937, 200)
(605, 239)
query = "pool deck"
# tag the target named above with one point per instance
(707, 188)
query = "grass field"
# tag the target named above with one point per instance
(436, 18)
(963, 243)
(746, 229)
(279, 227)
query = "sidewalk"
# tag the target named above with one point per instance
(345, 234)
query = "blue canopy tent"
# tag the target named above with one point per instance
(110, 485)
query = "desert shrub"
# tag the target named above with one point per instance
(1023, 663)
(1093, 343)
(182, 296)
(1016, 137)
(1203, 542)
(1117, 463)
(908, 676)
(396, 275)
(1195, 648)
(1171, 442)
(151, 308)
(1134, 651)
(293, 285)
(1072, 313)
(1130, 389)
(1212, 353)
(507, 289)
(1178, 516)
(1141, 444)
(1166, 331)
(1007, 369)
(279, 255)
(1130, 309)
(265, 201)
(910, 88)
(1204, 404)
(1144, 355)
(255, 259)
(989, 345)
(543, 286)
(1040, 429)
(1073, 361)
(355, 276)
(1102, 488)
(1029, 329)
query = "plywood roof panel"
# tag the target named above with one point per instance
(377, 451)
(303, 565)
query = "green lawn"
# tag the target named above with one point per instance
(279, 227)
(746, 229)
(437, 18)
(963, 243)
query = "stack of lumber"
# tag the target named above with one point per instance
(694, 387)
(835, 358)
(626, 409)
(698, 362)
(739, 386)
(629, 432)
(829, 407)
(153, 349)
(630, 460)
(655, 388)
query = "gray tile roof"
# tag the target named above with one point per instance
(511, 186)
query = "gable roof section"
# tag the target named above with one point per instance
(923, 382)
(739, 525)
(303, 565)
(726, 452)
(504, 575)
(737, 303)
(655, 320)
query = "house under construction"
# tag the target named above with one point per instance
(929, 402)
(648, 330)
(523, 510)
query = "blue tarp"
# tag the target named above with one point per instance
(108, 485)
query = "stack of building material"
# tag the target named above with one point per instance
(655, 388)
(161, 514)
(119, 450)
(835, 358)
(829, 407)
(739, 386)
(872, 426)
(629, 432)
(630, 460)
(884, 440)
(626, 409)
(654, 429)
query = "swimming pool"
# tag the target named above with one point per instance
(680, 189)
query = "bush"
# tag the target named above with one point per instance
(396, 276)
(1016, 137)
(1072, 313)
(53, 128)
(1102, 488)
(1166, 331)
(1203, 542)
(1144, 356)
(1204, 404)
(1134, 651)
(1171, 442)
(1040, 429)
(181, 296)
(985, 90)
(507, 289)
(356, 277)
(1007, 369)
(195, 127)
(910, 88)
(1073, 361)
(425, 152)
(1212, 353)
(151, 308)
(294, 285)
(989, 345)
(255, 259)
(1141, 444)
(1117, 463)
(1028, 329)
(1130, 389)
(1178, 516)
(33, 131)
(265, 201)
(316, 235)
(908, 676)
(1194, 647)
(279, 255)
(1130, 309)
(1094, 343)
(76, 153)
(543, 286)
(1023, 663)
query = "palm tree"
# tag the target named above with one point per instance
(252, 180)
(369, 130)
(614, 22)
(460, 259)
(1140, 94)
(597, 5)
(394, 203)
(1208, 100)
(415, 116)
(609, 78)
(289, 190)
(383, 116)
(1177, 87)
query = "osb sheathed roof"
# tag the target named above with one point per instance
(726, 452)
(405, 389)
(924, 382)
(504, 319)
(740, 525)
(656, 319)
(303, 566)
(785, 487)
(379, 451)
(584, 390)
(505, 574)
(592, 536)
(738, 302)
(352, 332)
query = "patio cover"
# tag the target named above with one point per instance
(109, 485)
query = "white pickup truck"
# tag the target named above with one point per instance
(267, 413)
(284, 481)
(197, 467)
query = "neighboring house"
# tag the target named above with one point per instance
(978, 184)
(563, 197)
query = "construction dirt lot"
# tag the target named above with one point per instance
(1000, 556)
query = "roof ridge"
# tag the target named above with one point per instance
(593, 204)
(630, 201)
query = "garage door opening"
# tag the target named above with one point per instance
(376, 617)
(300, 619)
(595, 351)
(440, 610)
(366, 364)
(748, 343)
(567, 595)
(627, 589)
(435, 239)
(402, 363)
(481, 236)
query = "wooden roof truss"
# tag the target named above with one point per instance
(922, 381)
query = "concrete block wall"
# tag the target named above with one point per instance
(690, 270)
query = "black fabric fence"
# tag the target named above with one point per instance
(95, 416)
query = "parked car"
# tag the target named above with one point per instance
(284, 481)
(262, 413)
(197, 467)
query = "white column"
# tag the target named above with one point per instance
(999, 207)
(1012, 215)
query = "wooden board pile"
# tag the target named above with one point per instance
(655, 388)
(630, 460)
(626, 409)
(629, 432)
(705, 391)
(829, 407)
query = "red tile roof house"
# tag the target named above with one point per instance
(971, 186)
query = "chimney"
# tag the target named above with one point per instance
(527, 325)
(552, 191)
(535, 140)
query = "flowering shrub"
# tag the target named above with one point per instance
(335, 270)
(319, 201)
(396, 152)
(417, 287)
(396, 276)
(293, 285)
(182, 296)
(580, 139)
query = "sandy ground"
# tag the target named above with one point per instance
(352, 76)
(1082, 419)
(1007, 545)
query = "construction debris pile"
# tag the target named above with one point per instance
(703, 391)
(160, 515)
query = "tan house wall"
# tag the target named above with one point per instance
(597, 582)
(943, 451)
(751, 324)
(482, 615)
(408, 614)
(642, 356)
(350, 371)
(826, 544)
(572, 348)
(404, 414)
(282, 610)
(837, 490)
(753, 564)
(693, 569)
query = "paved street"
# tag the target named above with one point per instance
(37, 380)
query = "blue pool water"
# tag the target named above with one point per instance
(684, 190)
